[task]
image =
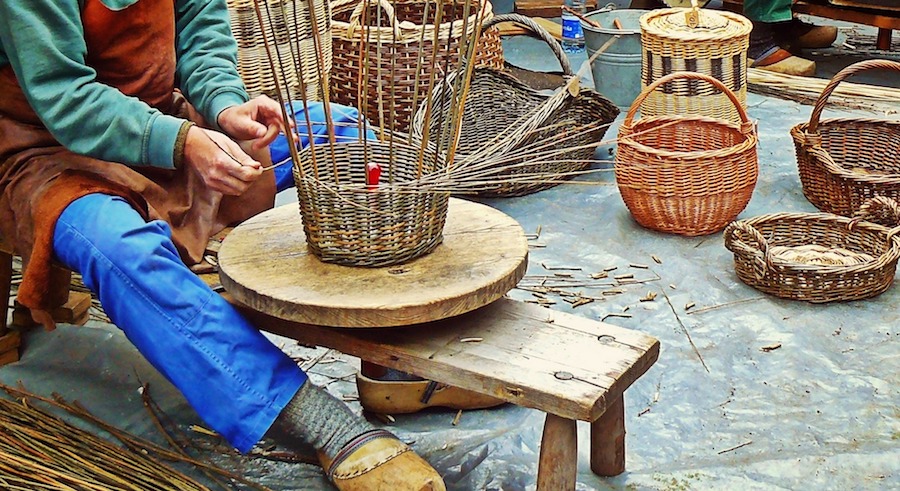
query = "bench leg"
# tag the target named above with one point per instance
(69, 307)
(608, 440)
(884, 39)
(558, 463)
(9, 340)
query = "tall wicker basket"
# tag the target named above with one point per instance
(716, 46)
(399, 51)
(294, 45)
(845, 161)
(818, 257)
(688, 175)
(498, 106)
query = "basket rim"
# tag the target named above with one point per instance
(406, 31)
(750, 139)
(646, 28)
(801, 138)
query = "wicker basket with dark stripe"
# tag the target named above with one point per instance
(716, 46)
(291, 32)
(845, 161)
(400, 49)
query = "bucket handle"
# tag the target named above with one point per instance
(537, 29)
(746, 124)
(357, 13)
(837, 79)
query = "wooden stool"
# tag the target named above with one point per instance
(458, 329)
(71, 307)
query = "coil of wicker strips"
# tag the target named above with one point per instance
(716, 45)
(688, 175)
(390, 62)
(553, 137)
(843, 162)
(818, 257)
(291, 31)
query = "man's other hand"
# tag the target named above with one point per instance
(219, 162)
(259, 119)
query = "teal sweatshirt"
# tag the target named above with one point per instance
(43, 40)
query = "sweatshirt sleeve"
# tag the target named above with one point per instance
(43, 41)
(207, 57)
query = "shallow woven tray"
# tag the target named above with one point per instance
(763, 248)
(843, 162)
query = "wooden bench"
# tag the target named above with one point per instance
(71, 307)
(886, 21)
(572, 368)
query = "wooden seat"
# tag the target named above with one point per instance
(567, 366)
(70, 307)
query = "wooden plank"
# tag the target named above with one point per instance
(558, 463)
(512, 29)
(608, 441)
(74, 311)
(546, 8)
(10, 341)
(265, 264)
(524, 356)
(8, 357)
(892, 5)
(874, 18)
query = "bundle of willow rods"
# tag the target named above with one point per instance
(806, 90)
(39, 450)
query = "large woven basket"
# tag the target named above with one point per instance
(845, 161)
(292, 38)
(716, 46)
(816, 257)
(688, 175)
(348, 222)
(399, 51)
(506, 120)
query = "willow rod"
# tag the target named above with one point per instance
(297, 59)
(438, 19)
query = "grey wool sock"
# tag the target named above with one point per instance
(319, 419)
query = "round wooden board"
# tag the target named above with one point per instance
(264, 263)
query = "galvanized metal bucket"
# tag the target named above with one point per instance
(616, 71)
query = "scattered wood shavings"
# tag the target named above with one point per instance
(770, 347)
(600, 276)
(656, 259)
(689, 306)
(639, 266)
(471, 340)
(456, 418)
(649, 297)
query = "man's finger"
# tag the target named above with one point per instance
(271, 133)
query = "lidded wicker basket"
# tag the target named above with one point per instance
(294, 44)
(843, 162)
(349, 222)
(713, 43)
(818, 257)
(506, 120)
(688, 175)
(399, 44)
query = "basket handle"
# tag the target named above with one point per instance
(358, 10)
(537, 29)
(743, 239)
(840, 77)
(881, 210)
(746, 125)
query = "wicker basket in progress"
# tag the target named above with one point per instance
(290, 30)
(816, 257)
(716, 46)
(517, 123)
(845, 161)
(400, 48)
(348, 222)
(688, 175)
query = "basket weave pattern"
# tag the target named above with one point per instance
(396, 49)
(290, 23)
(872, 272)
(716, 47)
(688, 175)
(843, 162)
(347, 223)
(497, 101)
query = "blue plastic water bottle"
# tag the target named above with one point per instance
(572, 35)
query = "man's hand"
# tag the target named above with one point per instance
(219, 161)
(259, 119)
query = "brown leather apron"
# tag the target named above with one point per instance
(133, 50)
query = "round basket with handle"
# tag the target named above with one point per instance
(352, 221)
(383, 52)
(536, 139)
(688, 175)
(843, 162)
(293, 42)
(818, 257)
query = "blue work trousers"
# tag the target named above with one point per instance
(232, 375)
